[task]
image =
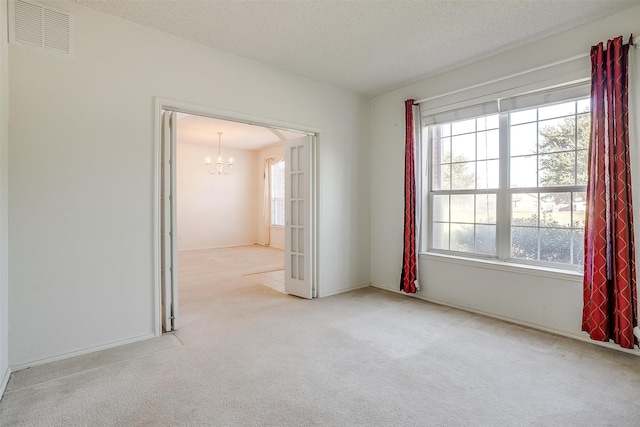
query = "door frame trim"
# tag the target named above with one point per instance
(161, 104)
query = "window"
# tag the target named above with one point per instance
(507, 179)
(277, 193)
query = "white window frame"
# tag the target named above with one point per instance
(516, 101)
(274, 223)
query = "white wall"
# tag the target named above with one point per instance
(216, 211)
(549, 301)
(4, 137)
(81, 183)
(277, 233)
(277, 238)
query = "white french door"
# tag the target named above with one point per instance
(300, 208)
(299, 211)
(168, 244)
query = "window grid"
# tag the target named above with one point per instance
(277, 181)
(557, 154)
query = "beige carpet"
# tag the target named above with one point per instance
(247, 355)
(273, 279)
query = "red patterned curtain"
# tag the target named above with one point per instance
(409, 277)
(610, 296)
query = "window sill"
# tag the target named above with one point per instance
(276, 226)
(533, 270)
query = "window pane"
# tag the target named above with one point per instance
(523, 116)
(465, 126)
(441, 177)
(486, 208)
(524, 209)
(463, 176)
(548, 149)
(488, 144)
(462, 208)
(557, 135)
(486, 239)
(440, 158)
(555, 210)
(557, 169)
(584, 105)
(555, 245)
(578, 246)
(462, 237)
(582, 167)
(277, 193)
(488, 174)
(524, 243)
(583, 131)
(441, 208)
(440, 238)
(444, 130)
(441, 150)
(278, 212)
(463, 148)
(524, 171)
(488, 122)
(579, 209)
(558, 110)
(523, 139)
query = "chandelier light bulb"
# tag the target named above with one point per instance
(220, 169)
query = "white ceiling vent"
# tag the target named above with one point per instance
(40, 25)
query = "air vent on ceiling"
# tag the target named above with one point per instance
(41, 26)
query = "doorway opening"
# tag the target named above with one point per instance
(204, 204)
(230, 191)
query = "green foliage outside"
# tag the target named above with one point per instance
(552, 245)
(543, 238)
(458, 175)
(559, 168)
(555, 240)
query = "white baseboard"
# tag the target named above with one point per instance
(341, 291)
(208, 248)
(5, 381)
(567, 334)
(80, 352)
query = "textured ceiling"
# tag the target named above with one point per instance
(365, 46)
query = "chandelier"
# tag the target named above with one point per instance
(220, 167)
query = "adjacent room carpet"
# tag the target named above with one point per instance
(247, 355)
